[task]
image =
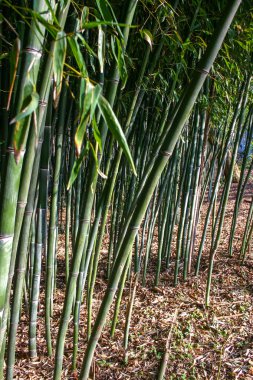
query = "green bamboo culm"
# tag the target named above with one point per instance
(81, 218)
(224, 201)
(85, 216)
(185, 107)
(41, 234)
(27, 93)
(53, 217)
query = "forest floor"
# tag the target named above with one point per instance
(207, 343)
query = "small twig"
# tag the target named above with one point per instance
(230, 316)
(163, 366)
(221, 356)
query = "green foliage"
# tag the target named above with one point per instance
(58, 63)
(115, 128)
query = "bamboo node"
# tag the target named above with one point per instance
(84, 220)
(203, 71)
(43, 103)
(22, 204)
(21, 270)
(112, 289)
(165, 153)
(133, 228)
(33, 51)
(115, 80)
(6, 237)
(11, 150)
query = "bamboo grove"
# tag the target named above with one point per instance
(118, 119)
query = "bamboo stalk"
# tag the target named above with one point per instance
(167, 149)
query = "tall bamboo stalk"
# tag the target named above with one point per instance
(185, 107)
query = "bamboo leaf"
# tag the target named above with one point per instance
(108, 15)
(101, 48)
(97, 133)
(90, 100)
(84, 16)
(96, 94)
(147, 35)
(31, 107)
(119, 58)
(121, 64)
(95, 24)
(54, 18)
(77, 166)
(102, 175)
(81, 129)
(113, 46)
(86, 45)
(63, 3)
(75, 48)
(58, 63)
(22, 125)
(82, 93)
(104, 10)
(14, 59)
(178, 37)
(94, 153)
(3, 56)
(52, 29)
(242, 45)
(115, 128)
